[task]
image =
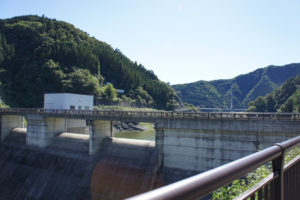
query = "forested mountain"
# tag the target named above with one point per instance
(40, 55)
(284, 99)
(244, 88)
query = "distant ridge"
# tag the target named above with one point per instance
(245, 88)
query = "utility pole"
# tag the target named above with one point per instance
(231, 101)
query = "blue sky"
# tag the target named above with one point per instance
(183, 41)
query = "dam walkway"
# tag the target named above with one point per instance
(149, 116)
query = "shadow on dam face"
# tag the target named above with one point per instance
(126, 166)
(121, 168)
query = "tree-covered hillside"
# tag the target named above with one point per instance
(284, 99)
(40, 55)
(244, 88)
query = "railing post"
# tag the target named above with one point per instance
(294, 116)
(278, 167)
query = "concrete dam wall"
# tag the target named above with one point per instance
(95, 165)
(200, 145)
(121, 168)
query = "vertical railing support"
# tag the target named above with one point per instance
(294, 116)
(278, 166)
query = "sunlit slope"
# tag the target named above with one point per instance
(245, 88)
(40, 55)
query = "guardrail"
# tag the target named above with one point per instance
(161, 114)
(282, 184)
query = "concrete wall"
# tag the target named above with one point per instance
(205, 144)
(56, 125)
(98, 131)
(80, 130)
(75, 123)
(9, 122)
(37, 133)
(41, 131)
(76, 126)
(264, 126)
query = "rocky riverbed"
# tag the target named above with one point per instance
(128, 126)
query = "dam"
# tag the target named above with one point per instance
(102, 167)
(120, 169)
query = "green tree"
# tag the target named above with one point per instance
(287, 106)
(284, 99)
(81, 81)
(109, 93)
(270, 103)
(251, 106)
(142, 97)
(260, 104)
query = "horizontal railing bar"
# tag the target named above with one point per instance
(291, 163)
(257, 187)
(268, 179)
(161, 114)
(202, 184)
(289, 144)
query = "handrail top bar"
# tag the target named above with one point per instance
(202, 184)
(160, 111)
(151, 116)
(288, 144)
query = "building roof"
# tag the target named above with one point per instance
(70, 94)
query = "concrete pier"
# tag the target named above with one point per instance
(9, 122)
(37, 133)
(99, 130)
(159, 145)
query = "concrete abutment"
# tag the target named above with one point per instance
(200, 145)
(9, 122)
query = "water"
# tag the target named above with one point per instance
(148, 134)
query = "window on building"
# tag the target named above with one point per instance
(72, 107)
(79, 107)
(86, 107)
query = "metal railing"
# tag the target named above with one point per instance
(157, 115)
(282, 183)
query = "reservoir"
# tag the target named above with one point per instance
(147, 134)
